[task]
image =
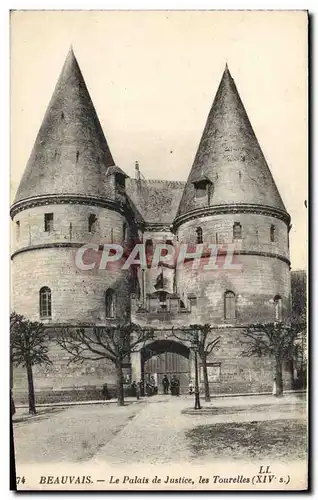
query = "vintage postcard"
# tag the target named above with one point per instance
(158, 327)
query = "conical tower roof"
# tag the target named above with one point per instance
(229, 158)
(70, 154)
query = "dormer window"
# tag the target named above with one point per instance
(120, 183)
(119, 178)
(203, 189)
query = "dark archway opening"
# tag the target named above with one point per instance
(166, 357)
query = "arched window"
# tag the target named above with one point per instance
(229, 305)
(45, 303)
(237, 231)
(273, 229)
(278, 308)
(199, 235)
(110, 300)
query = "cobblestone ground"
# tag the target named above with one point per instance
(151, 431)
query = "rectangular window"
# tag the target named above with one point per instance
(237, 231)
(48, 223)
(200, 190)
(92, 220)
(17, 225)
(273, 236)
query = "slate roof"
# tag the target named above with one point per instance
(156, 200)
(70, 154)
(230, 156)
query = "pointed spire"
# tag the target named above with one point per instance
(70, 154)
(229, 158)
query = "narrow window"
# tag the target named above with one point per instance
(278, 308)
(216, 238)
(17, 225)
(48, 223)
(110, 300)
(199, 235)
(149, 251)
(229, 305)
(45, 303)
(210, 192)
(273, 236)
(124, 231)
(92, 220)
(237, 231)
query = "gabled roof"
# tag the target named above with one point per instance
(70, 154)
(230, 156)
(115, 170)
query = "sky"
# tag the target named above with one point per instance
(153, 75)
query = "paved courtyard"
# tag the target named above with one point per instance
(161, 429)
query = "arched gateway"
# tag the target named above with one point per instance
(161, 357)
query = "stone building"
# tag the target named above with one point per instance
(72, 193)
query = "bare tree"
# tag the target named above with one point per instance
(275, 340)
(114, 343)
(28, 347)
(199, 337)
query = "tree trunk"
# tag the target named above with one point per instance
(205, 378)
(290, 369)
(278, 377)
(32, 409)
(120, 387)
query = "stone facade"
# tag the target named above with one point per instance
(71, 195)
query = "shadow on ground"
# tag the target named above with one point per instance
(41, 414)
(229, 410)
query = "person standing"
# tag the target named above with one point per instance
(177, 387)
(191, 387)
(165, 384)
(173, 385)
(138, 390)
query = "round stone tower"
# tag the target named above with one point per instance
(231, 200)
(71, 194)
